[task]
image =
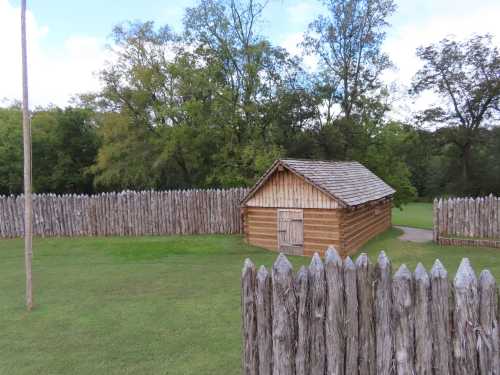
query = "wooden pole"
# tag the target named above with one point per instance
(28, 213)
(465, 320)
(303, 322)
(263, 298)
(250, 354)
(334, 320)
(284, 317)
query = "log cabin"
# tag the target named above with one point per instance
(299, 207)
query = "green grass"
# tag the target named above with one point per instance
(417, 215)
(151, 305)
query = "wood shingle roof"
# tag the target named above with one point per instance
(347, 181)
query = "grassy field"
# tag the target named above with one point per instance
(153, 305)
(417, 215)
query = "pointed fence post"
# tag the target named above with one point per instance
(284, 317)
(317, 287)
(264, 321)
(334, 324)
(364, 276)
(435, 220)
(302, 286)
(423, 336)
(488, 340)
(351, 317)
(383, 310)
(441, 320)
(250, 356)
(465, 320)
(404, 339)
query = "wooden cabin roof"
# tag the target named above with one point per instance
(349, 182)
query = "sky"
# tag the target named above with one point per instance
(67, 39)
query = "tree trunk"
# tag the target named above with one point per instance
(28, 220)
(466, 159)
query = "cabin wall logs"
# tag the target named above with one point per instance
(126, 213)
(361, 225)
(345, 229)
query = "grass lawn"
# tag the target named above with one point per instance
(417, 215)
(151, 305)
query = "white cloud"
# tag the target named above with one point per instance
(291, 43)
(54, 75)
(303, 12)
(415, 24)
(451, 19)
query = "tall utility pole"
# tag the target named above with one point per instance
(28, 211)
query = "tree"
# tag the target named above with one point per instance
(65, 146)
(11, 153)
(466, 77)
(347, 42)
(28, 208)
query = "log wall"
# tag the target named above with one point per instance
(347, 230)
(467, 221)
(360, 225)
(261, 227)
(321, 229)
(340, 317)
(126, 213)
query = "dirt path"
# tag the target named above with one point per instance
(415, 234)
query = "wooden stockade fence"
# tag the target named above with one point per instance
(354, 318)
(467, 221)
(127, 213)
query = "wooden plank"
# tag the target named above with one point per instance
(488, 335)
(465, 320)
(248, 311)
(351, 313)
(441, 320)
(364, 276)
(403, 310)
(284, 317)
(423, 323)
(264, 321)
(334, 322)
(383, 311)
(318, 312)
(302, 359)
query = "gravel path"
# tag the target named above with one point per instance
(415, 234)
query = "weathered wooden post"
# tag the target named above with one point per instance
(302, 286)
(441, 320)
(351, 317)
(488, 339)
(334, 324)
(435, 220)
(383, 310)
(403, 310)
(423, 336)
(248, 311)
(465, 320)
(317, 287)
(364, 276)
(284, 317)
(264, 321)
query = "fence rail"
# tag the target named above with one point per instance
(467, 221)
(341, 317)
(127, 213)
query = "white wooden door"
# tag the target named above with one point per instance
(291, 231)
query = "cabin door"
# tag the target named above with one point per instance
(291, 231)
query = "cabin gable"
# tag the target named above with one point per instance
(285, 189)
